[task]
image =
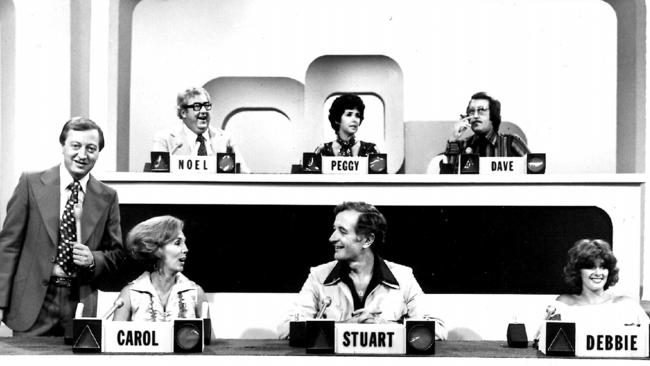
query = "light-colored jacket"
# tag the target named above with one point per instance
(397, 296)
(175, 142)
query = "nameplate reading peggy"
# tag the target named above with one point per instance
(193, 164)
(345, 165)
(386, 339)
(502, 165)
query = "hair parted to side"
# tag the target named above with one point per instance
(340, 104)
(187, 94)
(146, 238)
(495, 108)
(81, 124)
(370, 220)
(584, 254)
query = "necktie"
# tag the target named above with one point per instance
(346, 146)
(68, 231)
(201, 140)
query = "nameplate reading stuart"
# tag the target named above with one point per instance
(387, 339)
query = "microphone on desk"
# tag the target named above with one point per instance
(323, 306)
(79, 312)
(116, 305)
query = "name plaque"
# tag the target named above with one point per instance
(345, 165)
(386, 339)
(138, 337)
(193, 164)
(502, 165)
(599, 340)
(594, 339)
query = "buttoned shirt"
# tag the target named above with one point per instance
(64, 187)
(496, 144)
(191, 141)
(396, 295)
(147, 306)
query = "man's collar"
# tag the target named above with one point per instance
(380, 269)
(66, 179)
(192, 136)
(492, 136)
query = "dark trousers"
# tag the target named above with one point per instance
(57, 312)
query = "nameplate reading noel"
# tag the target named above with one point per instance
(138, 337)
(502, 165)
(193, 164)
(387, 339)
(345, 165)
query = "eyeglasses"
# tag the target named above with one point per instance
(197, 106)
(481, 111)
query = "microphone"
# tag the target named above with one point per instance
(77, 217)
(323, 306)
(204, 310)
(80, 309)
(116, 305)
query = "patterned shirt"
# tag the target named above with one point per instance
(495, 144)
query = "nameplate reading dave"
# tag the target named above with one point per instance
(345, 165)
(502, 165)
(387, 339)
(138, 337)
(600, 340)
(193, 164)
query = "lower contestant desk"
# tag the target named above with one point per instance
(247, 352)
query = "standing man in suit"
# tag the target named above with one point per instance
(195, 136)
(44, 270)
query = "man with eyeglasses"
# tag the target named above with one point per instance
(60, 240)
(196, 136)
(483, 117)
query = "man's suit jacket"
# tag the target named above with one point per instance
(29, 239)
(176, 143)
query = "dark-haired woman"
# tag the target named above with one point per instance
(162, 292)
(345, 116)
(589, 272)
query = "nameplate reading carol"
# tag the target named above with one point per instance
(387, 339)
(138, 337)
(193, 164)
(345, 165)
(502, 165)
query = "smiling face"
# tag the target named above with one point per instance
(80, 152)
(196, 121)
(478, 112)
(348, 245)
(595, 278)
(174, 254)
(350, 122)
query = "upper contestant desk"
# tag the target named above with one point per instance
(247, 352)
(309, 188)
